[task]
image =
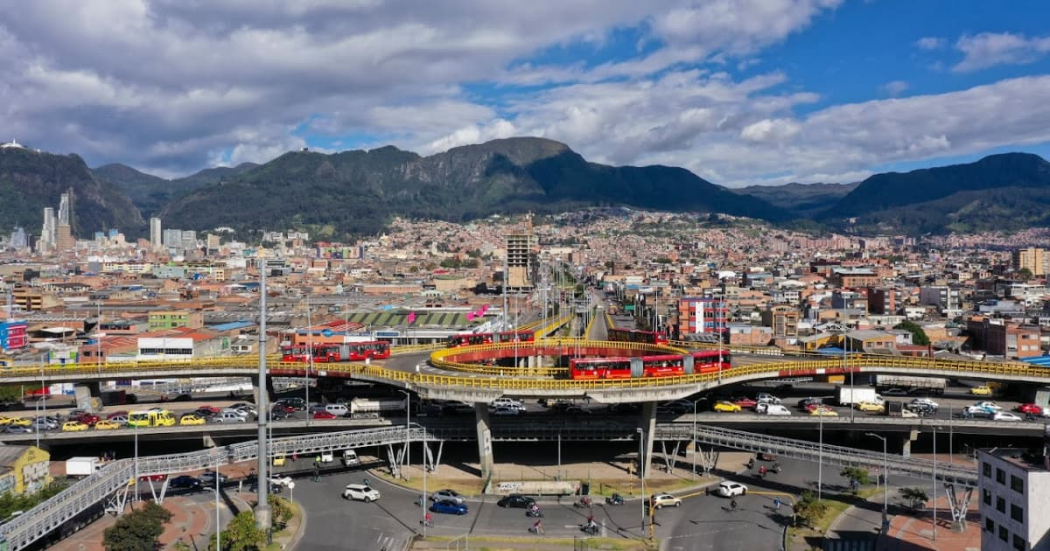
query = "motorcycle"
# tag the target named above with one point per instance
(534, 514)
(590, 528)
(615, 499)
(583, 502)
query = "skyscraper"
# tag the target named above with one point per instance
(156, 235)
(63, 210)
(47, 234)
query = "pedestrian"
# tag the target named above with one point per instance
(776, 503)
(732, 505)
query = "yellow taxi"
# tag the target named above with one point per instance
(983, 390)
(191, 419)
(824, 411)
(73, 426)
(4, 421)
(278, 461)
(871, 406)
(725, 406)
(21, 422)
(107, 425)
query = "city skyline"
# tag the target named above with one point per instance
(739, 92)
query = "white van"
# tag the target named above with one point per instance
(772, 409)
(339, 410)
(360, 492)
(228, 417)
(350, 458)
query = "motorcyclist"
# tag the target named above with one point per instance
(427, 519)
(538, 527)
(733, 504)
(776, 468)
(762, 471)
(751, 463)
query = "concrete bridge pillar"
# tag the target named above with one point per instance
(481, 411)
(256, 388)
(906, 442)
(647, 426)
(88, 395)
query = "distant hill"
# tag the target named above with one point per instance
(151, 193)
(31, 181)
(357, 192)
(803, 200)
(1007, 191)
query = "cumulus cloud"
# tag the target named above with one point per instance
(894, 88)
(930, 43)
(989, 49)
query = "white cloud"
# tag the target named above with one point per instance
(894, 88)
(769, 130)
(989, 49)
(930, 43)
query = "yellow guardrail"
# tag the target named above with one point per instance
(414, 348)
(590, 324)
(609, 322)
(440, 358)
(550, 327)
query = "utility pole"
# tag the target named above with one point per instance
(262, 509)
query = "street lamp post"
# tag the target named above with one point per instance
(98, 336)
(934, 483)
(694, 432)
(309, 355)
(408, 420)
(820, 455)
(641, 474)
(885, 480)
(423, 499)
(852, 393)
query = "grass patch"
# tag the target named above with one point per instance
(467, 487)
(837, 504)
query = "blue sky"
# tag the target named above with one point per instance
(739, 91)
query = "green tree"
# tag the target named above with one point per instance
(1024, 274)
(281, 511)
(137, 530)
(918, 336)
(809, 509)
(241, 534)
(916, 496)
(856, 476)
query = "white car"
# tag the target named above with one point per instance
(766, 398)
(327, 457)
(1005, 416)
(925, 401)
(988, 406)
(360, 492)
(727, 488)
(771, 409)
(281, 480)
(447, 495)
(507, 403)
(505, 411)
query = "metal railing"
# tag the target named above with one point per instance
(36, 523)
(810, 451)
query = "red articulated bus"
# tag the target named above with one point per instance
(331, 353)
(710, 361)
(663, 365)
(473, 339)
(637, 335)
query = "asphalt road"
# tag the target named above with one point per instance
(702, 522)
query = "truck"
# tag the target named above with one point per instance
(931, 385)
(848, 397)
(898, 409)
(372, 407)
(82, 466)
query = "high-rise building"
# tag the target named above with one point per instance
(1033, 258)
(64, 238)
(521, 254)
(47, 234)
(213, 243)
(63, 209)
(172, 239)
(1013, 487)
(189, 240)
(19, 240)
(156, 241)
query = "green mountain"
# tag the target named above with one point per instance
(32, 180)
(357, 192)
(151, 193)
(999, 192)
(803, 200)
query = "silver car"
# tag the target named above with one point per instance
(448, 495)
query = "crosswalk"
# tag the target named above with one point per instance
(865, 544)
(392, 543)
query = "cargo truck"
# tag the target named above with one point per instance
(372, 407)
(931, 385)
(848, 397)
(82, 466)
(897, 409)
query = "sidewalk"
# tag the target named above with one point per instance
(917, 532)
(192, 521)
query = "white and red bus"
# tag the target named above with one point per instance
(710, 361)
(330, 353)
(637, 335)
(473, 339)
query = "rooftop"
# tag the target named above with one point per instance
(1022, 458)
